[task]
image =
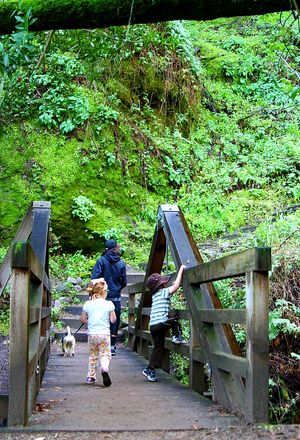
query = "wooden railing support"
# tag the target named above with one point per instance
(18, 409)
(257, 378)
(239, 383)
(26, 267)
(29, 332)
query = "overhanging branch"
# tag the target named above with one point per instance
(78, 14)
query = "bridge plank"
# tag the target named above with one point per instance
(131, 403)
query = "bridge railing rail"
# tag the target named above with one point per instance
(25, 271)
(239, 380)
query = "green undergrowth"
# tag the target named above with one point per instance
(186, 113)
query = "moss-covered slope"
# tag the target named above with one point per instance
(202, 114)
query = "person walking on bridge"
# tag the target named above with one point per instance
(161, 318)
(112, 268)
(97, 314)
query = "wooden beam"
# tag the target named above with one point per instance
(35, 312)
(43, 342)
(255, 259)
(257, 380)
(144, 334)
(22, 233)
(45, 311)
(182, 349)
(4, 406)
(23, 257)
(19, 348)
(228, 316)
(199, 355)
(34, 315)
(218, 337)
(228, 362)
(135, 288)
(155, 263)
(40, 229)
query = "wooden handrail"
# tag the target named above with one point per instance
(26, 267)
(234, 265)
(240, 382)
(29, 331)
(22, 233)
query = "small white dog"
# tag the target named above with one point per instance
(68, 344)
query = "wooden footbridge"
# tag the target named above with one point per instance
(40, 375)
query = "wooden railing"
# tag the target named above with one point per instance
(239, 382)
(25, 268)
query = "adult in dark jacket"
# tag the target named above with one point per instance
(112, 268)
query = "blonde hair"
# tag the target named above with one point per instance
(97, 288)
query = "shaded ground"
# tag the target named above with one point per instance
(251, 433)
(150, 411)
(132, 403)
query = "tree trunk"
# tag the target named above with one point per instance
(78, 14)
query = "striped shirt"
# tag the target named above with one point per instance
(160, 309)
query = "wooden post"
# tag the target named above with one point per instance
(257, 378)
(165, 365)
(39, 234)
(131, 319)
(144, 344)
(198, 378)
(19, 347)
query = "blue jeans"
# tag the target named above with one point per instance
(114, 327)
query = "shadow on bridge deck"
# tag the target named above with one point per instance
(131, 403)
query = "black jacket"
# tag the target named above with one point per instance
(112, 268)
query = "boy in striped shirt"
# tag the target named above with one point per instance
(160, 318)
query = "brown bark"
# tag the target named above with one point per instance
(78, 14)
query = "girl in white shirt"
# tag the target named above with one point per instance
(98, 313)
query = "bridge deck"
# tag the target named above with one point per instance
(131, 403)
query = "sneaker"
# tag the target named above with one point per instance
(106, 379)
(150, 374)
(91, 380)
(113, 351)
(178, 340)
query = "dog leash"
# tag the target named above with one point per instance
(79, 328)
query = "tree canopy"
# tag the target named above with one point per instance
(78, 14)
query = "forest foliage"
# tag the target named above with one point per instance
(108, 124)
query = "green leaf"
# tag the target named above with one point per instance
(294, 92)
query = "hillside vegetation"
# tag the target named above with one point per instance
(108, 124)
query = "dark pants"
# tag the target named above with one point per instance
(114, 327)
(158, 333)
